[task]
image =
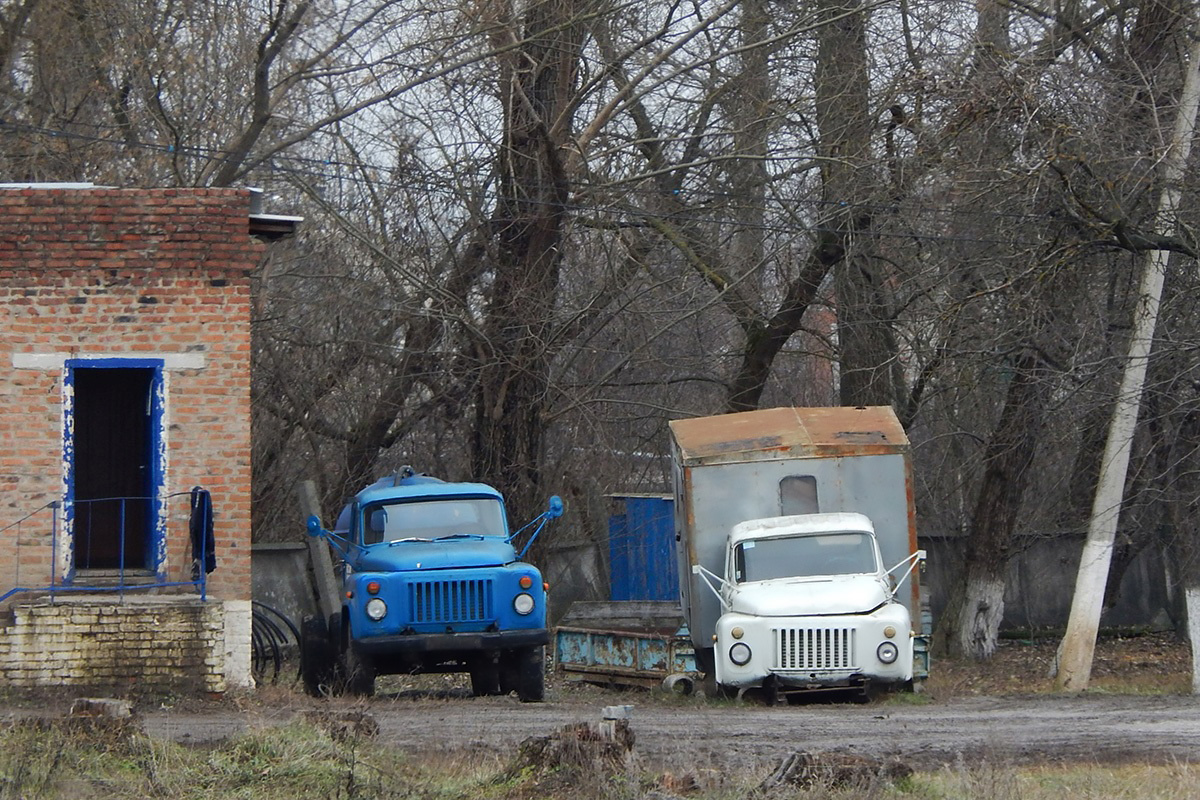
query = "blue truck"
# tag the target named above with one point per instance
(432, 582)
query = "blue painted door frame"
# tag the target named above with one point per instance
(152, 456)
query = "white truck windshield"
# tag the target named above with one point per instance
(433, 519)
(804, 556)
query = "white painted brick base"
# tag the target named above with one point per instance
(152, 643)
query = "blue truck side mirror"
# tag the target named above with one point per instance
(554, 510)
(337, 541)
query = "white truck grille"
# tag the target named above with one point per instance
(814, 648)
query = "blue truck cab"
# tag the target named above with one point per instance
(432, 582)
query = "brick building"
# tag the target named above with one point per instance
(125, 345)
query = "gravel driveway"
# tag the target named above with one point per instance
(670, 732)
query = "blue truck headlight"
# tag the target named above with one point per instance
(523, 603)
(740, 654)
(376, 608)
(887, 652)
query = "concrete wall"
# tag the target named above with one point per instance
(1041, 583)
(574, 572)
(282, 579)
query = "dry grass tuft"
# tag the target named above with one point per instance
(835, 771)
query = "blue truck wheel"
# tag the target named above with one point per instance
(531, 665)
(317, 657)
(358, 671)
(510, 671)
(485, 677)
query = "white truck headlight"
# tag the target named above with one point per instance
(887, 652)
(523, 603)
(740, 654)
(376, 609)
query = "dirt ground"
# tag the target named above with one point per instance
(1139, 664)
(1003, 711)
(1139, 709)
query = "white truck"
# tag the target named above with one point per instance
(796, 543)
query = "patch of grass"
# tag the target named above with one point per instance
(51, 759)
(80, 758)
(1133, 782)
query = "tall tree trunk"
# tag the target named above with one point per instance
(1007, 457)
(527, 227)
(750, 106)
(13, 20)
(765, 335)
(867, 349)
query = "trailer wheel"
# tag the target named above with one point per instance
(679, 683)
(317, 657)
(531, 665)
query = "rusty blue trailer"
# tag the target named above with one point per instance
(627, 643)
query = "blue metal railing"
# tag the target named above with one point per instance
(155, 523)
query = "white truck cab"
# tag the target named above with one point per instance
(807, 603)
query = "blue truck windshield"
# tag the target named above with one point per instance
(433, 519)
(803, 556)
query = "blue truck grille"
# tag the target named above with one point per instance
(451, 601)
(814, 648)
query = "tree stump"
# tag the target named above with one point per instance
(579, 749)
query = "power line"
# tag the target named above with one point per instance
(320, 168)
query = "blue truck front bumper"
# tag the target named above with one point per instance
(416, 643)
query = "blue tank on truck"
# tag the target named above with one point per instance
(432, 582)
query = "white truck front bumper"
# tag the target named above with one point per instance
(814, 651)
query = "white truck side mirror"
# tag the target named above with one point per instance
(916, 558)
(713, 581)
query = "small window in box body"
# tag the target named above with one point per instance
(798, 495)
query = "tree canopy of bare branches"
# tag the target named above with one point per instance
(536, 230)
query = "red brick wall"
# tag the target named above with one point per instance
(136, 273)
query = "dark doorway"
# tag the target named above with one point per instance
(114, 469)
